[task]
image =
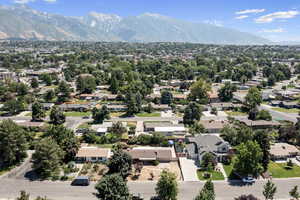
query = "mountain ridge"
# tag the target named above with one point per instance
(26, 23)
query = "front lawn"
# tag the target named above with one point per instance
(215, 175)
(117, 114)
(148, 114)
(77, 114)
(278, 170)
(293, 110)
(229, 171)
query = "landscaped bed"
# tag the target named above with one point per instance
(279, 170)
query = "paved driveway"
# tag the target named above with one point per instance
(188, 169)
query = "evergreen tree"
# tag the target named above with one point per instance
(13, 144)
(47, 158)
(38, 112)
(167, 187)
(269, 190)
(112, 187)
(57, 117)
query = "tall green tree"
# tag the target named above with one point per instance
(121, 163)
(253, 98)
(14, 106)
(166, 97)
(263, 138)
(112, 187)
(66, 139)
(167, 186)
(269, 190)
(34, 83)
(192, 113)
(226, 92)
(47, 158)
(199, 91)
(38, 112)
(99, 115)
(57, 117)
(207, 192)
(13, 144)
(86, 84)
(248, 159)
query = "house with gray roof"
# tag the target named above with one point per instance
(198, 146)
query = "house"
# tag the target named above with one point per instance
(116, 107)
(283, 151)
(198, 146)
(165, 128)
(160, 107)
(89, 97)
(47, 106)
(225, 105)
(104, 128)
(148, 154)
(259, 124)
(289, 105)
(92, 154)
(213, 96)
(74, 107)
(213, 126)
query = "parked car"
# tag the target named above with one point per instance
(248, 180)
(81, 181)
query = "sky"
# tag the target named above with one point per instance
(277, 20)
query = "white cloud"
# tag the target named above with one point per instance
(277, 15)
(28, 1)
(249, 11)
(50, 1)
(242, 17)
(23, 1)
(214, 22)
(277, 30)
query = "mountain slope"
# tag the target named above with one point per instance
(26, 23)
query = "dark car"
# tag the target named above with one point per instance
(81, 181)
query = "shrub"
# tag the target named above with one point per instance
(155, 162)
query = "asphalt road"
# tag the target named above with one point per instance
(10, 188)
(279, 115)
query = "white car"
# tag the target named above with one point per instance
(248, 180)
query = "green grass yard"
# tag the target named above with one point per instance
(293, 110)
(216, 176)
(148, 114)
(278, 170)
(229, 171)
(77, 114)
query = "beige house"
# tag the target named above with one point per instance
(283, 151)
(92, 154)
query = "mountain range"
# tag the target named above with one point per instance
(23, 22)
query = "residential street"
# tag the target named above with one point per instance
(10, 188)
(279, 115)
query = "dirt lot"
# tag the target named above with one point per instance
(151, 173)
